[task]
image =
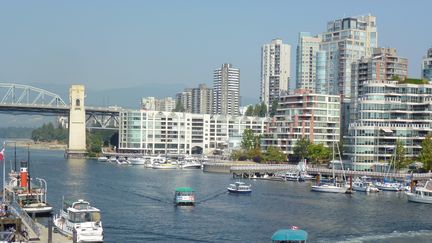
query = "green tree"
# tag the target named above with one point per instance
(263, 110)
(399, 158)
(250, 140)
(257, 110)
(249, 111)
(179, 107)
(318, 153)
(301, 148)
(274, 107)
(94, 144)
(274, 155)
(426, 152)
(255, 154)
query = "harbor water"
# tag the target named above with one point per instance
(137, 205)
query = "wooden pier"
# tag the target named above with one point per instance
(275, 168)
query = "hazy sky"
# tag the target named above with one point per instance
(112, 44)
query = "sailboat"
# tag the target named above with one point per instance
(389, 184)
(334, 186)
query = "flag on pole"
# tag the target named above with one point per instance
(2, 151)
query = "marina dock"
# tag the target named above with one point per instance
(261, 169)
(44, 236)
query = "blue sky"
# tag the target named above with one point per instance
(118, 44)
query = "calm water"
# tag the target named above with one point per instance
(136, 205)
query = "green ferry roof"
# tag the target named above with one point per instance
(289, 234)
(184, 189)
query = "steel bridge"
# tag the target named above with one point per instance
(18, 99)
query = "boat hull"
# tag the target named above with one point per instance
(63, 229)
(46, 210)
(329, 189)
(230, 190)
(418, 199)
(164, 167)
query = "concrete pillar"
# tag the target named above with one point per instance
(77, 123)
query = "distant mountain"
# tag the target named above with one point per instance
(126, 97)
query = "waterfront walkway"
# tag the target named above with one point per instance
(274, 168)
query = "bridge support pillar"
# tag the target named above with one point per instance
(77, 123)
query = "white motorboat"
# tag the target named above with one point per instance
(388, 186)
(421, 194)
(291, 176)
(102, 159)
(239, 187)
(113, 159)
(164, 166)
(79, 216)
(190, 163)
(138, 160)
(363, 186)
(304, 176)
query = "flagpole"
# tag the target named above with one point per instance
(4, 173)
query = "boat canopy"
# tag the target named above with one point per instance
(184, 189)
(289, 235)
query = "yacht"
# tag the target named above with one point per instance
(364, 186)
(138, 160)
(31, 197)
(421, 194)
(79, 216)
(239, 187)
(388, 186)
(190, 163)
(291, 176)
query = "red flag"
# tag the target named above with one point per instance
(2, 152)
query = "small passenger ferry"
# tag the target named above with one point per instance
(82, 218)
(239, 187)
(294, 235)
(184, 196)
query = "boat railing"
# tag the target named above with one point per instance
(25, 218)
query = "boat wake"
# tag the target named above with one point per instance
(212, 196)
(415, 236)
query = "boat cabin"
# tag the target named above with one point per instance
(184, 196)
(80, 211)
(289, 236)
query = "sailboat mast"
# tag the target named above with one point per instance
(15, 169)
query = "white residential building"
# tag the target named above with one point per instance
(388, 111)
(275, 70)
(304, 115)
(226, 90)
(307, 48)
(154, 104)
(153, 132)
(345, 41)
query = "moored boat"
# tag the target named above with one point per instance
(102, 159)
(291, 176)
(81, 217)
(294, 235)
(31, 197)
(332, 188)
(138, 160)
(184, 196)
(364, 186)
(239, 187)
(421, 194)
(388, 186)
